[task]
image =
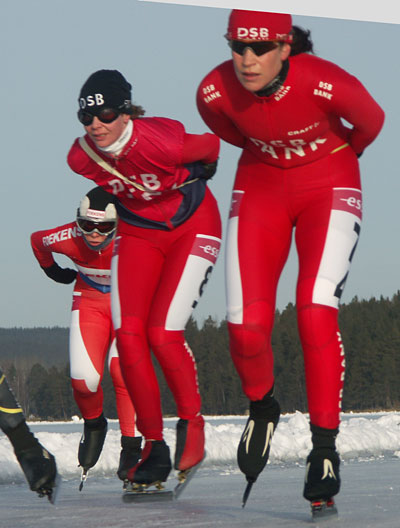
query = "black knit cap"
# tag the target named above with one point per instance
(105, 89)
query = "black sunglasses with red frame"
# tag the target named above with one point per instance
(105, 115)
(257, 47)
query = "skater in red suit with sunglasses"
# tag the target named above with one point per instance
(89, 242)
(298, 172)
(167, 243)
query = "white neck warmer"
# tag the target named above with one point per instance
(116, 147)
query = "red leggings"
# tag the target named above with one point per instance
(91, 340)
(157, 279)
(321, 201)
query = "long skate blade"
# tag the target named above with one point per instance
(184, 477)
(247, 492)
(142, 493)
(148, 496)
(323, 509)
(51, 491)
(53, 495)
(84, 477)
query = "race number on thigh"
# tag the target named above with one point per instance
(340, 244)
(195, 276)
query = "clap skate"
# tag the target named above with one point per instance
(322, 481)
(190, 441)
(91, 445)
(147, 478)
(129, 457)
(255, 443)
(154, 466)
(39, 467)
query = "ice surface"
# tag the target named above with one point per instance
(369, 446)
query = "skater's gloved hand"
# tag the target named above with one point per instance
(58, 274)
(209, 170)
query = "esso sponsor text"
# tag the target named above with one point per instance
(210, 250)
(352, 201)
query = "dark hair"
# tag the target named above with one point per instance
(302, 42)
(136, 111)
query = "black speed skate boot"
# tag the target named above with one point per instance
(91, 444)
(190, 441)
(154, 466)
(322, 479)
(255, 443)
(38, 465)
(130, 455)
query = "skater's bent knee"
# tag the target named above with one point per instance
(253, 336)
(168, 346)
(85, 387)
(318, 324)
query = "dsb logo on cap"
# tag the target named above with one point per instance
(253, 32)
(91, 100)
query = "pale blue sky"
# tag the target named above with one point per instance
(49, 48)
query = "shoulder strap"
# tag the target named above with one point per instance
(106, 166)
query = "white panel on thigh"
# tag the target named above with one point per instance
(81, 366)
(196, 273)
(341, 240)
(234, 292)
(113, 352)
(115, 303)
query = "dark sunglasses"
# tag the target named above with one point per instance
(106, 115)
(258, 48)
(88, 226)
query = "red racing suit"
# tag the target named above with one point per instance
(167, 243)
(298, 170)
(91, 332)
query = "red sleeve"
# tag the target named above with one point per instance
(367, 118)
(210, 105)
(42, 253)
(57, 240)
(351, 101)
(196, 147)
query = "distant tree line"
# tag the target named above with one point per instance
(36, 364)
